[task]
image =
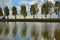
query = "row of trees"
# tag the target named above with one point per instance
(45, 9)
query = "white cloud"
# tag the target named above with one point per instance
(5, 3)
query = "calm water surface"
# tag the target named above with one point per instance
(39, 27)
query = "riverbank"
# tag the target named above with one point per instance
(29, 20)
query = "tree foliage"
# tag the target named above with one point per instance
(57, 7)
(14, 10)
(1, 12)
(23, 10)
(46, 7)
(6, 10)
(34, 9)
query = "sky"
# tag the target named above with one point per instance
(18, 3)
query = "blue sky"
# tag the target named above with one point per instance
(18, 2)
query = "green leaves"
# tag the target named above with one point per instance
(1, 12)
(34, 9)
(23, 11)
(57, 7)
(46, 7)
(14, 10)
(6, 10)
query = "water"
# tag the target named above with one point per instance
(28, 28)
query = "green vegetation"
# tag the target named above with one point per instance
(57, 8)
(46, 8)
(14, 11)
(23, 11)
(6, 11)
(1, 12)
(34, 10)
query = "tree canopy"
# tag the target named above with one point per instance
(1, 12)
(6, 10)
(23, 11)
(14, 10)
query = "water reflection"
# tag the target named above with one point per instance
(27, 30)
(24, 29)
(14, 30)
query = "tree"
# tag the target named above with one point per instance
(6, 10)
(45, 9)
(57, 8)
(50, 7)
(14, 11)
(34, 9)
(23, 11)
(1, 12)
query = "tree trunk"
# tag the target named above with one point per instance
(50, 15)
(7, 19)
(45, 16)
(58, 15)
(34, 16)
(15, 17)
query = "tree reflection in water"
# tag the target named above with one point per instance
(24, 29)
(34, 33)
(1, 29)
(7, 29)
(14, 30)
